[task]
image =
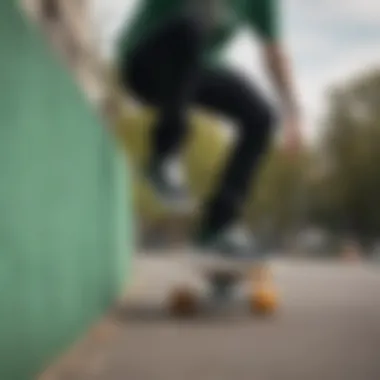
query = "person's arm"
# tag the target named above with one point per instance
(264, 16)
(278, 67)
(279, 70)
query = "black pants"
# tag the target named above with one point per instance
(166, 71)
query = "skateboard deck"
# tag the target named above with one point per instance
(225, 280)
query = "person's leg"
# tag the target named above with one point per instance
(233, 96)
(162, 71)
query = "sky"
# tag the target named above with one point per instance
(328, 41)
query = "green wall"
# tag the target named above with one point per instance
(65, 218)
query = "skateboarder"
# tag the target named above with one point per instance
(169, 58)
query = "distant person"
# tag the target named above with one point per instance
(169, 58)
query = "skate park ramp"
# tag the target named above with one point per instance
(65, 221)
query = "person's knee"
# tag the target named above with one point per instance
(259, 123)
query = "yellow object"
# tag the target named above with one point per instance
(264, 298)
(264, 301)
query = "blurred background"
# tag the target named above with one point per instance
(315, 213)
(320, 204)
(327, 200)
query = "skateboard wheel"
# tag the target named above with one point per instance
(264, 302)
(183, 303)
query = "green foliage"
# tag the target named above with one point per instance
(275, 192)
(351, 151)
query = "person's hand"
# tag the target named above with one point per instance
(292, 136)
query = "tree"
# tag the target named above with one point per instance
(351, 149)
(276, 202)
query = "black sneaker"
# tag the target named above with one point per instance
(234, 248)
(168, 181)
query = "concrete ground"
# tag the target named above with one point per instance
(328, 327)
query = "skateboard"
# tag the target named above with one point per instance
(228, 284)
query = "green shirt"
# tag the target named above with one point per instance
(258, 15)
